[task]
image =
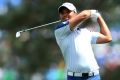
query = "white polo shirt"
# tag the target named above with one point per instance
(76, 47)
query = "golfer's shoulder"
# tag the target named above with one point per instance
(62, 24)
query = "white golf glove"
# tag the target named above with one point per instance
(94, 15)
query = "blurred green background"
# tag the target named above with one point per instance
(35, 55)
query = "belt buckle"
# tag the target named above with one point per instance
(85, 74)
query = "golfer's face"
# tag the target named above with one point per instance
(64, 14)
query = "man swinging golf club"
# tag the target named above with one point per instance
(75, 42)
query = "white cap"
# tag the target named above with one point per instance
(69, 6)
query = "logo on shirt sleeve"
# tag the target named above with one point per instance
(62, 24)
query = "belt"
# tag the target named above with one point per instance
(78, 74)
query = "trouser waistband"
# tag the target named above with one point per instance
(79, 74)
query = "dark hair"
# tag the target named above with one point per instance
(62, 8)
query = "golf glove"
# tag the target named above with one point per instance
(94, 15)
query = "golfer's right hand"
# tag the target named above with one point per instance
(94, 15)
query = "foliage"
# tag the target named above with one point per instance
(40, 50)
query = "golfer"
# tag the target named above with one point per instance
(75, 42)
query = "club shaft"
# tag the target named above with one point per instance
(40, 26)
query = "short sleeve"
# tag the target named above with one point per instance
(94, 36)
(62, 30)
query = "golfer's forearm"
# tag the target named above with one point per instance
(104, 28)
(85, 14)
(79, 18)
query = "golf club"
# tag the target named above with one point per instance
(19, 32)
